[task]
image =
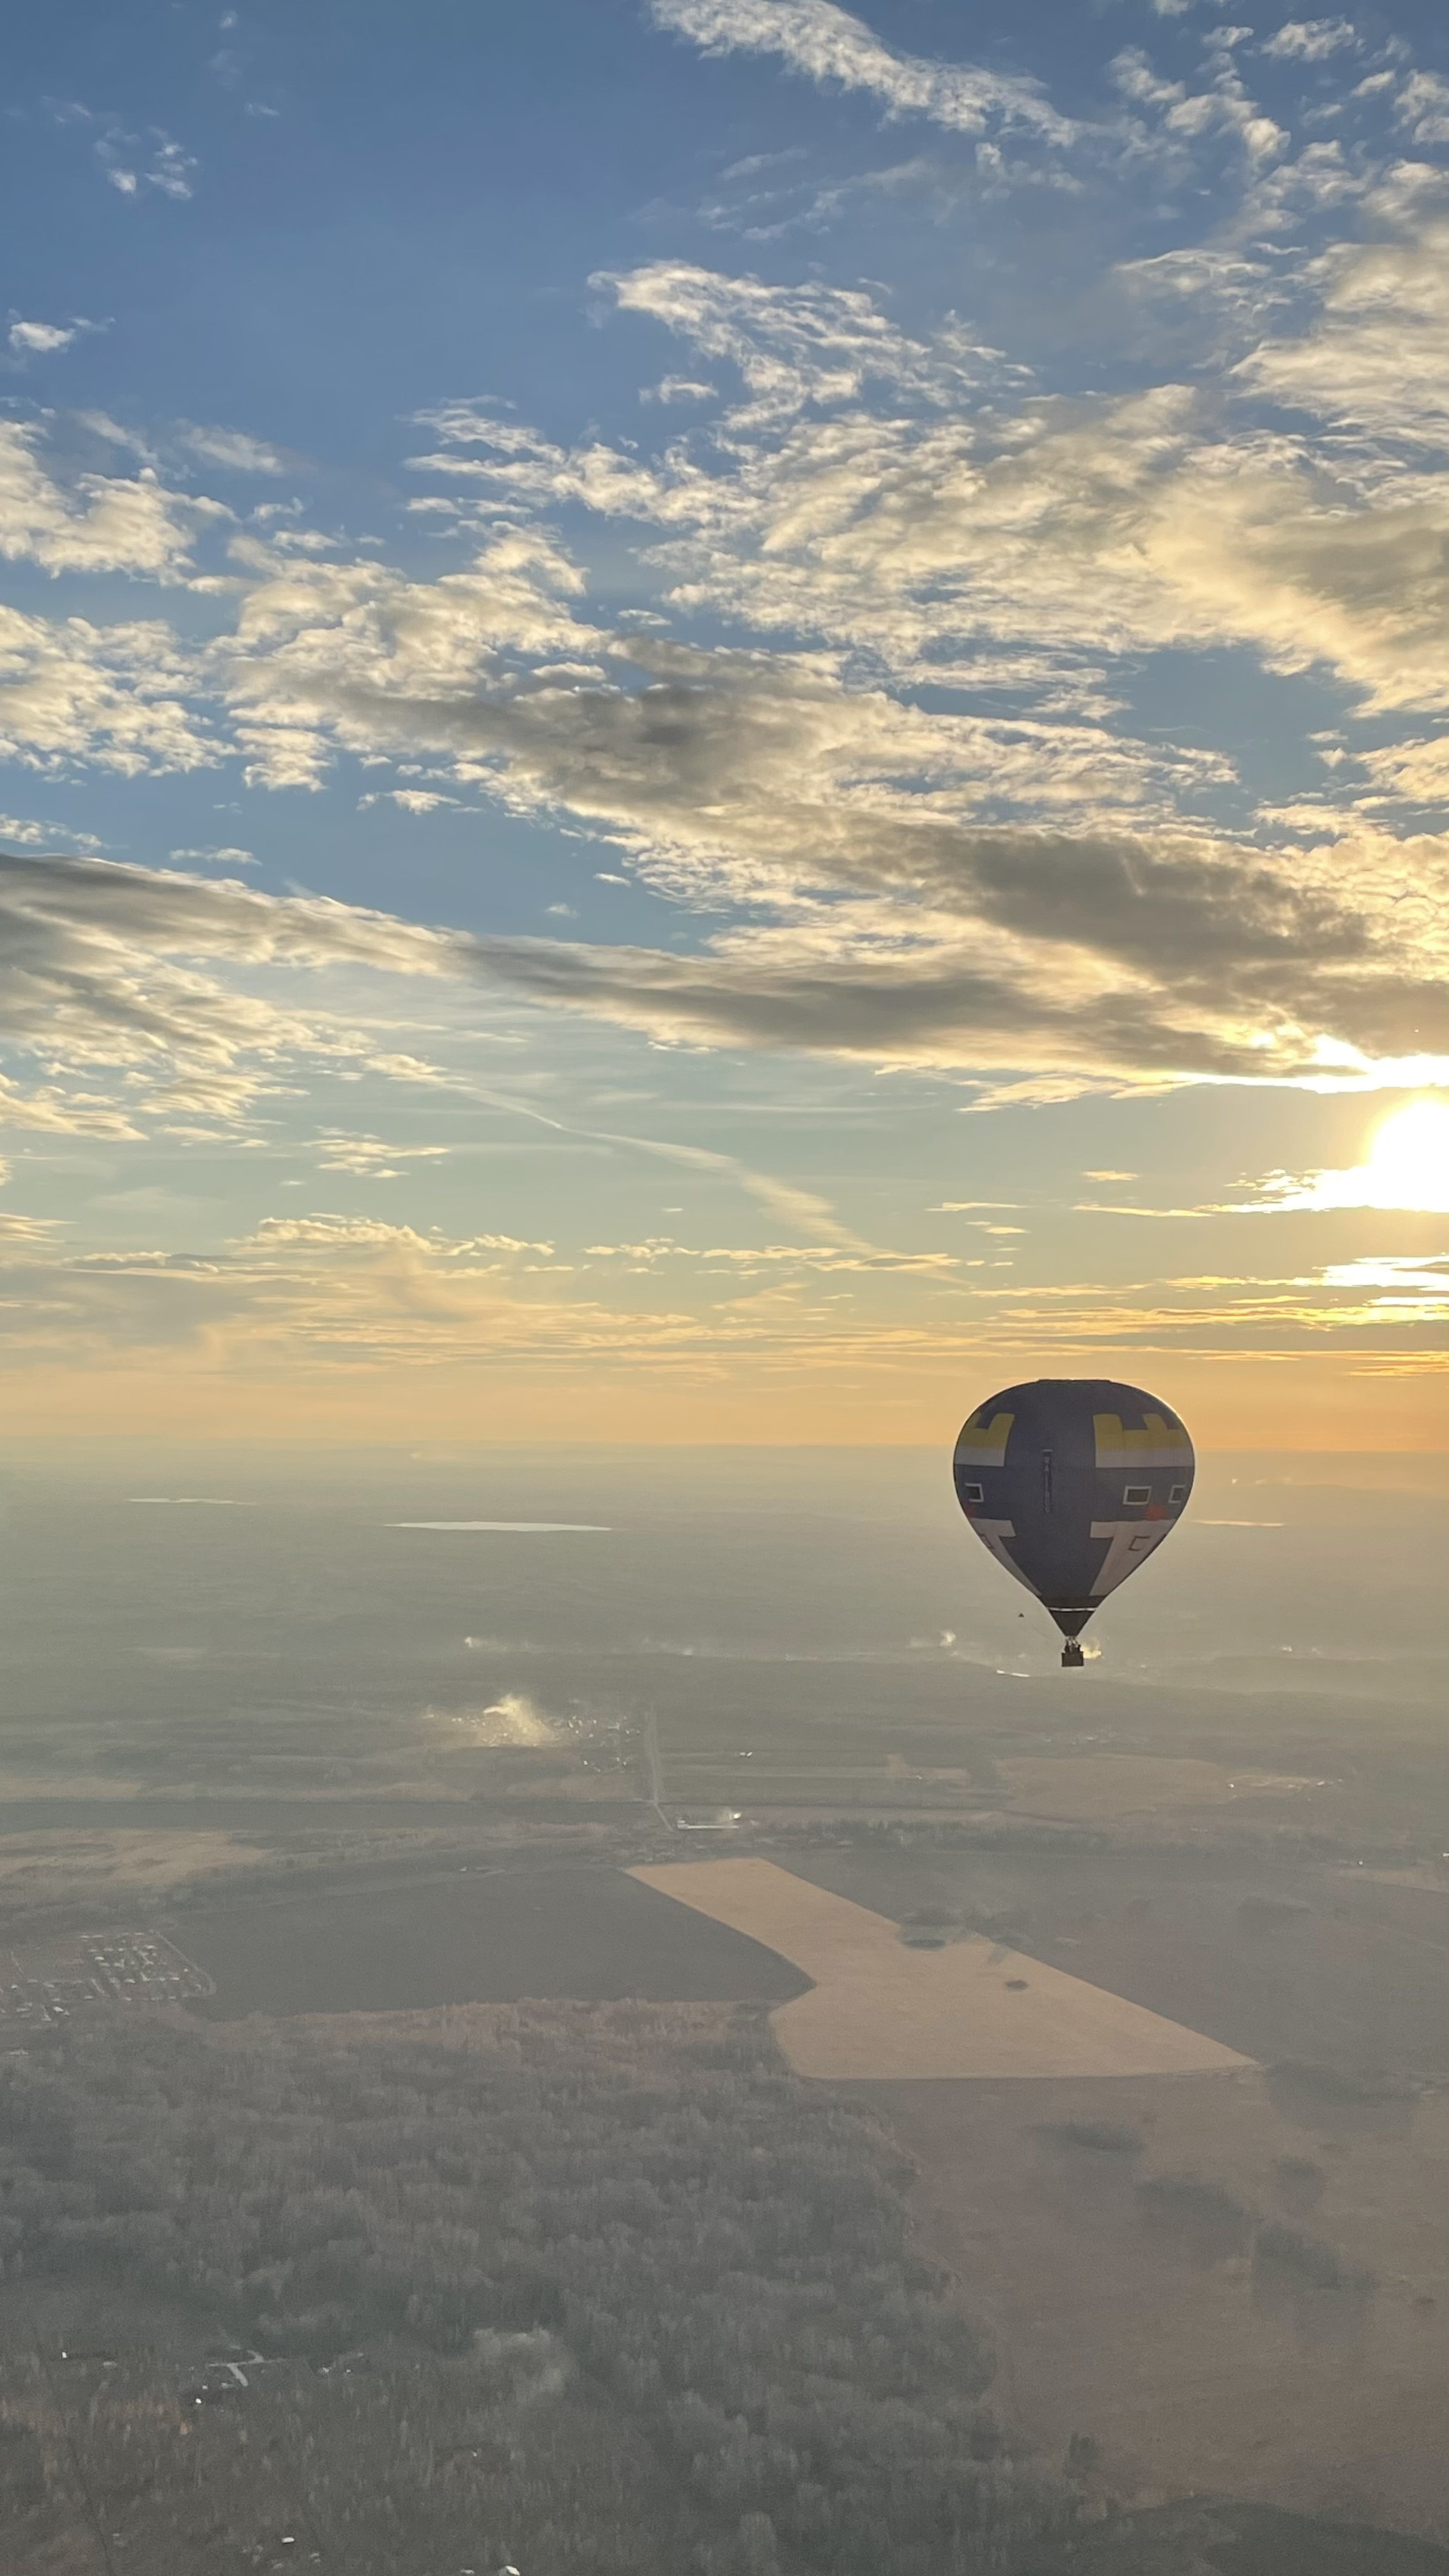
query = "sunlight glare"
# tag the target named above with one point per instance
(1408, 1163)
(1406, 1167)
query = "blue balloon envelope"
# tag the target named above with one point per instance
(1073, 1482)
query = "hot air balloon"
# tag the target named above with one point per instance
(1072, 1482)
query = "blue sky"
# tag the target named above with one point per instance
(721, 718)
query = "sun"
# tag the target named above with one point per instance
(1408, 1161)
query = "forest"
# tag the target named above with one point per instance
(572, 2290)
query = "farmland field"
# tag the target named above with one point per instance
(484, 1936)
(1276, 1959)
(101, 1862)
(878, 2008)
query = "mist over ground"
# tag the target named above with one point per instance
(147, 1593)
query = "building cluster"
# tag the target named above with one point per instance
(112, 1968)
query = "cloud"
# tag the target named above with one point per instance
(109, 697)
(234, 449)
(141, 164)
(47, 339)
(1361, 1186)
(1311, 40)
(108, 524)
(828, 45)
(750, 1259)
(1373, 362)
(22, 832)
(412, 800)
(908, 926)
(115, 434)
(137, 164)
(125, 971)
(370, 1157)
(940, 1008)
(1075, 528)
(1056, 534)
(672, 389)
(319, 1296)
(1423, 107)
(409, 1068)
(316, 639)
(1130, 945)
(791, 344)
(914, 790)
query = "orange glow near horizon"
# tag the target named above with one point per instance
(1230, 1401)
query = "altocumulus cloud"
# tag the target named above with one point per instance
(913, 790)
(114, 969)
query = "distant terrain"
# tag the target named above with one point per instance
(1121, 1997)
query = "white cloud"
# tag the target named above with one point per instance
(1423, 107)
(370, 1157)
(1374, 362)
(108, 524)
(791, 344)
(413, 800)
(111, 697)
(234, 449)
(140, 164)
(1311, 40)
(1068, 530)
(46, 339)
(409, 1068)
(829, 45)
(23, 832)
(319, 646)
(748, 1258)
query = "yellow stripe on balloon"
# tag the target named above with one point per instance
(983, 1443)
(1157, 1444)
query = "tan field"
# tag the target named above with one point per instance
(54, 1865)
(881, 2011)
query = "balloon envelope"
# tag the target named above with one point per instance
(1073, 1483)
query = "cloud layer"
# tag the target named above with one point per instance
(130, 986)
(875, 733)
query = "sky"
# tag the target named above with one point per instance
(722, 721)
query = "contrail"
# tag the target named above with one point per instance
(799, 1207)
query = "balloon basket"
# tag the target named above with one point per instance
(1072, 1656)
